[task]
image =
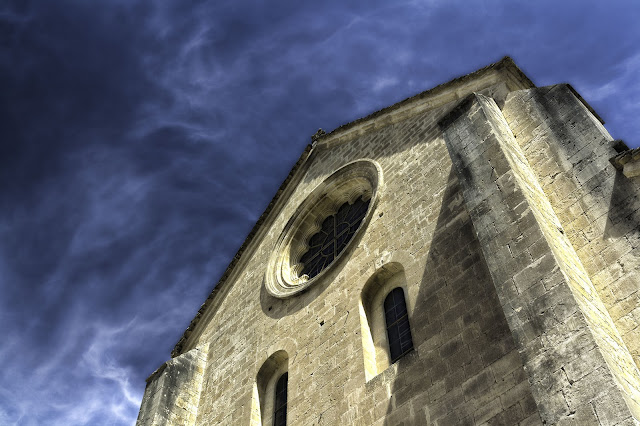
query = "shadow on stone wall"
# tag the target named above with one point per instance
(277, 308)
(555, 104)
(459, 329)
(585, 150)
(623, 219)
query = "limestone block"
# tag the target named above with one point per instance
(535, 318)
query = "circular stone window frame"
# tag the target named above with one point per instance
(347, 184)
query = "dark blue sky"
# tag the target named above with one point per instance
(141, 140)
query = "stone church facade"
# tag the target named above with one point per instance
(466, 256)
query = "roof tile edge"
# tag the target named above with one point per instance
(506, 63)
(177, 350)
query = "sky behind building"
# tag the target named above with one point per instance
(141, 140)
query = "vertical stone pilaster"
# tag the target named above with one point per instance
(570, 152)
(574, 356)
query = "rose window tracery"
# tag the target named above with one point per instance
(334, 235)
(323, 229)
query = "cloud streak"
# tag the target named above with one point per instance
(141, 140)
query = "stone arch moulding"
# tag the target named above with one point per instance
(358, 179)
(262, 401)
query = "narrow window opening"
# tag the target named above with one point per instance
(269, 403)
(280, 413)
(397, 320)
(384, 320)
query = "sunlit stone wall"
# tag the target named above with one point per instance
(472, 363)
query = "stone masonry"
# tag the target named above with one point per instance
(510, 218)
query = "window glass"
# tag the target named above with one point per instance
(336, 232)
(397, 319)
(280, 412)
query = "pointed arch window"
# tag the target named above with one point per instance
(269, 401)
(397, 320)
(280, 407)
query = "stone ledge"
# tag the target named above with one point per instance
(585, 103)
(628, 162)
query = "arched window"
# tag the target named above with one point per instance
(384, 319)
(280, 413)
(397, 320)
(269, 402)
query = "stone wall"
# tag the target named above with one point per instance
(599, 207)
(173, 390)
(465, 368)
(521, 279)
(578, 365)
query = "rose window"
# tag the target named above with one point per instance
(336, 231)
(323, 228)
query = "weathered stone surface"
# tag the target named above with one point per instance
(520, 282)
(484, 151)
(173, 390)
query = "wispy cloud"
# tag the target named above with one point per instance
(141, 140)
(622, 80)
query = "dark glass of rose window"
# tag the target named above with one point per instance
(334, 235)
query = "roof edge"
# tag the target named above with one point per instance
(318, 139)
(177, 350)
(505, 63)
